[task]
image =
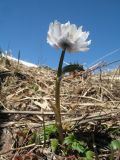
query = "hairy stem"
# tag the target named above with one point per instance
(57, 97)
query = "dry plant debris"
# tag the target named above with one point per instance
(85, 103)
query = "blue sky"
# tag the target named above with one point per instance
(24, 25)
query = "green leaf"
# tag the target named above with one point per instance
(69, 140)
(72, 67)
(89, 155)
(50, 130)
(73, 144)
(78, 147)
(115, 145)
(54, 144)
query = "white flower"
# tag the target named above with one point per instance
(68, 36)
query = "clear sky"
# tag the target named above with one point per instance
(24, 25)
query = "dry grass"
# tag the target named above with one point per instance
(86, 103)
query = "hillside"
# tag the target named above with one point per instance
(88, 106)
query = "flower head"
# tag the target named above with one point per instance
(68, 37)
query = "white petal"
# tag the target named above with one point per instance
(65, 28)
(51, 28)
(78, 34)
(89, 42)
(57, 29)
(67, 35)
(72, 32)
(52, 41)
(85, 35)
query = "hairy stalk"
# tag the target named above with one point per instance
(57, 97)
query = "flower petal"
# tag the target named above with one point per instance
(68, 36)
(57, 29)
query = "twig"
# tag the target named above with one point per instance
(20, 148)
(35, 113)
(42, 150)
(44, 130)
(82, 119)
(86, 97)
